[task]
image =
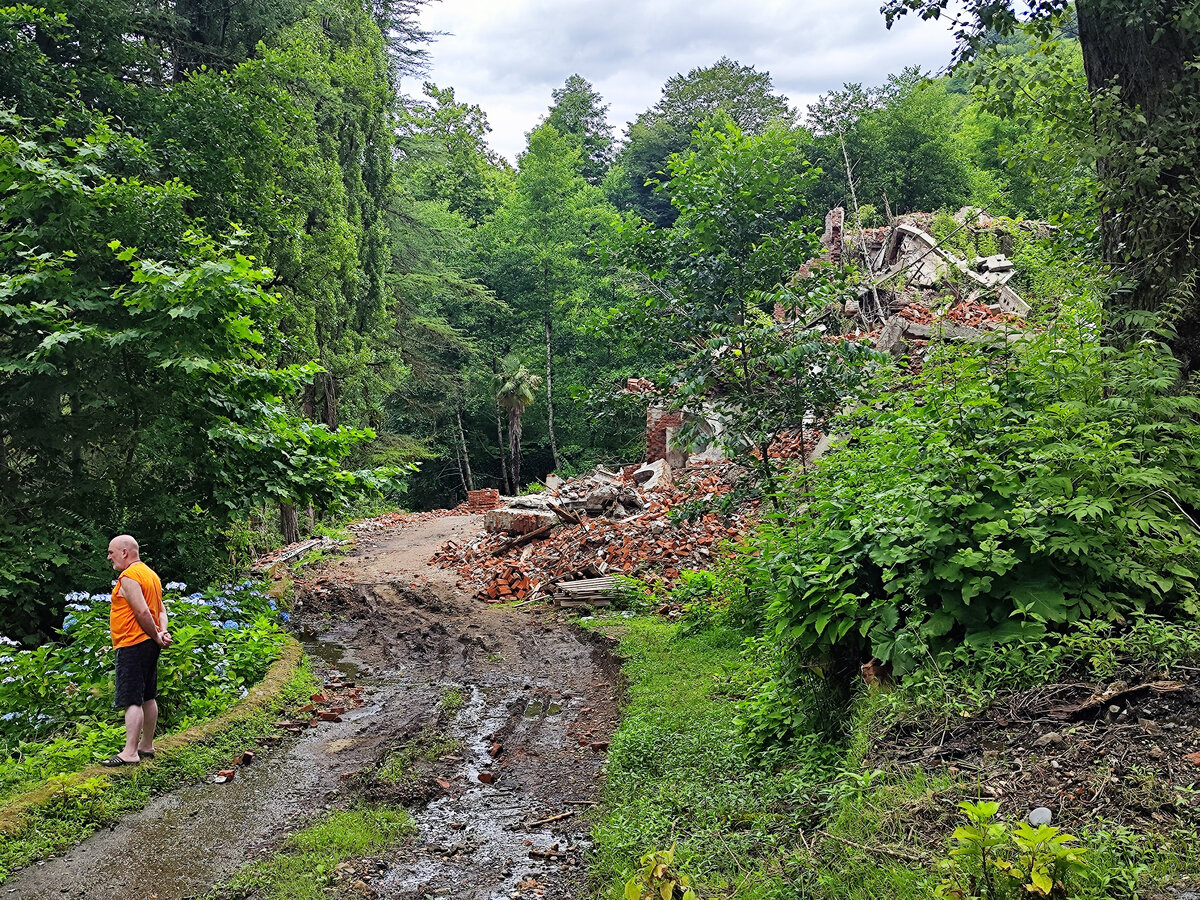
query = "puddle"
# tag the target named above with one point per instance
(480, 831)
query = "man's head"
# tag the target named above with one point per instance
(122, 552)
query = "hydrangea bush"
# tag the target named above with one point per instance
(56, 701)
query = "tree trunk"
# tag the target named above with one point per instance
(331, 410)
(468, 480)
(503, 458)
(514, 447)
(550, 391)
(288, 523)
(1147, 134)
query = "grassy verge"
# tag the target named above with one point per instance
(317, 857)
(68, 808)
(817, 822)
(677, 773)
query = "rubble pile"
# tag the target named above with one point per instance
(581, 544)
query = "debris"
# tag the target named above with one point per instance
(549, 819)
(486, 777)
(483, 500)
(598, 547)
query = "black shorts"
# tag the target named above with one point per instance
(137, 674)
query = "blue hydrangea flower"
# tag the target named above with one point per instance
(284, 617)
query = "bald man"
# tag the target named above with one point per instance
(138, 622)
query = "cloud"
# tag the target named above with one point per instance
(508, 56)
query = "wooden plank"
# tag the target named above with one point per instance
(523, 539)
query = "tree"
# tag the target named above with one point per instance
(579, 115)
(1139, 59)
(720, 270)
(537, 246)
(744, 94)
(903, 142)
(138, 397)
(443, 143)
(515, 387)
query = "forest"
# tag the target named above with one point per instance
(251, 290)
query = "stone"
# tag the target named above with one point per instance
(1040, 816)
(486, 777)
(1049, 739)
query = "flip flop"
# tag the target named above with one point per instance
(146, 754)
(114, 761)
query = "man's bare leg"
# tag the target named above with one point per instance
(149, 723)
(133, 725)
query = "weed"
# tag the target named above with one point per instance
(308, 862)
(401, 765)
(452, 700)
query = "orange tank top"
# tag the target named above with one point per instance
(121, 621)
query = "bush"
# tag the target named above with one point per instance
(998, 496)
(59, 697)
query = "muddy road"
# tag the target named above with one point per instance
(519, 704)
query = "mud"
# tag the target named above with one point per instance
(539, 703)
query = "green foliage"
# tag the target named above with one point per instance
(580, 115)
(59, 696)
(744, 95)
(990, 860)
(679, 774)
(655, 879)
(304, 868)
(1001, 496)
(903, 142)
(739, 235)
(131, 356)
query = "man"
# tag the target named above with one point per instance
(138, 621)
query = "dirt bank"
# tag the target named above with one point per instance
(538, 702)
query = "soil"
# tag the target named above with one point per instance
(1127, 752)
(536, 702)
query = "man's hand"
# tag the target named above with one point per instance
(165, 639)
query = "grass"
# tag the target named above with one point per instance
(308, 860)
(812, 824)
(679, 774)
(402, 764)
(72, 807)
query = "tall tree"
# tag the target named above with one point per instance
(537, 246)
(580, 115)
(744, 94)
(903, 141)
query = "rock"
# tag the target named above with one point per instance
(486, 777)
(599, 746)
(1040, 816)
(1050, 739)
(1193, 758)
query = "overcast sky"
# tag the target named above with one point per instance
(508, 55)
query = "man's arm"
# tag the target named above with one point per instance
(132, 592)
(164, 635)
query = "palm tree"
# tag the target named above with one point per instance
(516, 387)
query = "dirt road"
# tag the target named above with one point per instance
(535, 702)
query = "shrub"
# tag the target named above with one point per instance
(999, 496)
(58, 697)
